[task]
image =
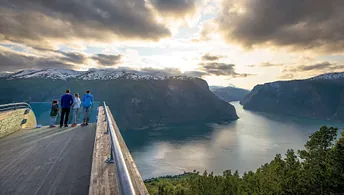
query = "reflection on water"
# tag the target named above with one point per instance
(242, 145)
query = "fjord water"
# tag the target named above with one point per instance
(241, 145)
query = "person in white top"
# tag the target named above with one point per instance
(76, 108)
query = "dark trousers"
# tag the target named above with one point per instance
(64, 111)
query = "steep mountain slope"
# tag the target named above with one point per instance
(136, 100)
(318, 97)
(229, 93)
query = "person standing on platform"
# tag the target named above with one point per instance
(87, 101)
(76, 108)
(66, 102)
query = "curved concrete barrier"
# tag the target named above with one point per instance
(31, 121)
(14, 120)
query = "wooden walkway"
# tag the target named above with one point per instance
(47, 161)
(63, 161)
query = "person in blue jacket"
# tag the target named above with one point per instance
(87, 101)
(66, 102)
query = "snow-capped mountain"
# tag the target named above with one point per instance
(4, 74)
(215, 87)
(92, 74)
(45, 73)
(329, 76)
(141, 101)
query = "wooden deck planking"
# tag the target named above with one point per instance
(47, 161)
(103, 178)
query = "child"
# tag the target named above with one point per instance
(53, 113)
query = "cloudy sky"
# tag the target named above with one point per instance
(240, 42)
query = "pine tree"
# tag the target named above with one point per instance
(318, 160)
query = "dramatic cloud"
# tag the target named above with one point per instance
(221, 69)
(208, 57)
(39, 23)
(195, 73)
(13, 61)
(107, 60)
(74, 57)
(287, 76)
(320, 67)
(306, 24)
(266, 65)
(290, 72)
(209, 28)
(175, 7)
(161, 72)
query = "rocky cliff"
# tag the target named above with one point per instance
(318, 97)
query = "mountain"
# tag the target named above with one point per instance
(337, 76)
(92, 74)
(317, 97)
(136, 99)
(214, 87)
(229, 93)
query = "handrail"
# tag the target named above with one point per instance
(14, 106)
(125, 183)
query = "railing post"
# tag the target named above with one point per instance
(104, 104)
(107, 128)
(107, 124)
(110, 159)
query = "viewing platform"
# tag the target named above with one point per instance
(72, 160)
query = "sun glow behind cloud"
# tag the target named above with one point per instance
(254, 45)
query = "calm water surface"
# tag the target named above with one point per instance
(242, 145)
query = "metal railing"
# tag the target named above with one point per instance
(116, 156)
(14, 106)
